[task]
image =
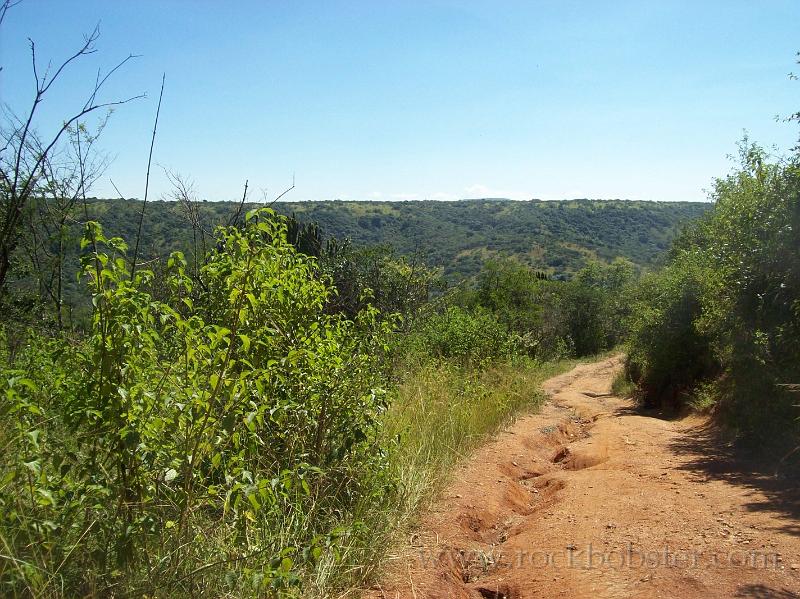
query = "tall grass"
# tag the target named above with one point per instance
(440, 412)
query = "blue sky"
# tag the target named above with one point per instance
(415, 100)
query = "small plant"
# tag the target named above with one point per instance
(622, 385)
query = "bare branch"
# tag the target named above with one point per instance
(233, 220)
(5, 7)
(65, 127)
(27, 165)
(33, 62)
(147, 178)
(102, 81)
(183, 193)
(284, 192)
(41, 90)
(85, 50)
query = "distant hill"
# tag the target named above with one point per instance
(558, 236)
(555, 236)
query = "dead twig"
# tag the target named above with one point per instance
(147, 179)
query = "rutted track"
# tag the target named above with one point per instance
(591, 498)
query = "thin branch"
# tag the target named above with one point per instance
(85, 50)
(4, 8)
(29, 156)
(119, 193)
(234, 219)
(43, 85)
(66, 126)
(283, 194)
(102, 81)
(147, 178)
(33, 62)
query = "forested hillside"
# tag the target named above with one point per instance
(557, 237)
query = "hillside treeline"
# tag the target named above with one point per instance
(558, 237)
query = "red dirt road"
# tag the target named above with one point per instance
(592, 498)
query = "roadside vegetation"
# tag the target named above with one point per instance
(266, 423)
(719, 326)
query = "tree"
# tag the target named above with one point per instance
(52, 220)
(25, 153)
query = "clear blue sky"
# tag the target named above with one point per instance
(438, 100)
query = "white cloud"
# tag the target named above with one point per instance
(404, 197)
(479, 190)
(443, 196)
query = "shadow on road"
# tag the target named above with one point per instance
(710, 457)
(760, 591)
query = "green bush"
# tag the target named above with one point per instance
(508, 289)
(599, 303)
(468, 337)
(668, 355)
(551, 319)
(218, 438)
(375, 276)
(727, 307)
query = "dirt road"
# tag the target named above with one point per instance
(592, 498)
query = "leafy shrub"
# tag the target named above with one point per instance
(600, 304)
(508, 289)
(225, 432)
(727, 307)
(376, 277)
(469, 337)
(553, 319)
(668, 355)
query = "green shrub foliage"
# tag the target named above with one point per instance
(727, 307)
(468, 337)
(553, 318)
(225, 429)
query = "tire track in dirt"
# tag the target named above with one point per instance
(592, 498)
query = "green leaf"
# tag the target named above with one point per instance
(45, 497)
(286, 564)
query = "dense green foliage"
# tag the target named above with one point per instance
(515, 311)
(222, 432)
(555, 238)
(722, 319)
(468, 337)
(277, 387)
(245, 391)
